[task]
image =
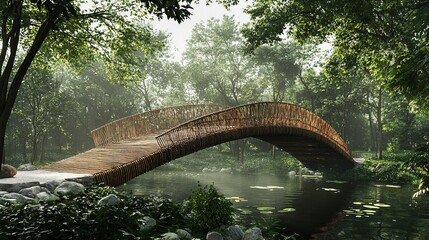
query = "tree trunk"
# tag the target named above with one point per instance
(34, 150)
(379, 126)
(42, 149)
(9, 95)
(371, 127)
(274, 152)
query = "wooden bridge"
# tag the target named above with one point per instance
(129, 147)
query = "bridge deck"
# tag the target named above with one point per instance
(107, 157)
(129, 147)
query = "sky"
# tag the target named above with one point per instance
(180, 33)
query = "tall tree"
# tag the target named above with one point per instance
(216, 67)
(96, 26)
(279, 66)
(391, 35)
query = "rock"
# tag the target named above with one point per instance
(45, 196)
(226, 170)
(147, 224)
(253, 234)
(214, 236)
(7, 171)
(16, 187)
(16, 198)
(305, 171)
(170, 236)
(109, 200)
(27, 167)
(3, 193)
(51, 185)
(234, 233)
(67, 188)
(292, 174)
(30, 192)
(183, 234)
(86, 181)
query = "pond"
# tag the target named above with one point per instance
(311, 207)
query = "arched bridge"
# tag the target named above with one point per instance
(131, 146)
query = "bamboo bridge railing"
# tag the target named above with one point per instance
(251, 120)
(149, 122)
(192, 128)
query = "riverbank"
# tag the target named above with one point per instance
(73, 211)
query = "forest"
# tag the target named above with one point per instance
(68, 67)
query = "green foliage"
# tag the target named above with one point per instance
(419, 163)
(216, 67)
(377, 170)
(389, 39)
(208, 209)
(80, 217)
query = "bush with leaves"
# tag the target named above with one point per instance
(419, 163)
(81, 217)
(207, 209)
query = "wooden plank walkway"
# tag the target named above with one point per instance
(107, 157)
(131, 146)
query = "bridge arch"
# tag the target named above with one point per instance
(296, 130)
(131, 146)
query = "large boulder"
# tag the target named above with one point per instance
(109, 200)
(7, 171)
(68, 188)
(31, 192)
(45, 196)
(16, 198)
(51, 185)
(214, 236)
(147, 224)
(233, 233)
(183, 234)
(27, 167)
(169, 236)
(253, 234)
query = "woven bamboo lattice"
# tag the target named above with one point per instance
(149, 122)
(131, 146)
(251, 120)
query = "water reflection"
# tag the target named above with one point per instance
(310, 207)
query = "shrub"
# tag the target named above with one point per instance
(81, 217)
(207, 209)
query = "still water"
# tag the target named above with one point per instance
(313, 208)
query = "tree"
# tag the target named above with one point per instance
(43, 107)
(280, 65)
(392, 36)
(25, 27)
(215, 64)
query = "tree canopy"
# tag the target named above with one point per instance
(387, 38)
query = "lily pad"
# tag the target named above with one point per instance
(393, 186)
(275, 187)
(265, 208)
(266, 212)
(336, 181)
(285, 210)
(259, 187)
(357, 203)
(369, 211)
(331, 189)
(381, 205)
(370, 207)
